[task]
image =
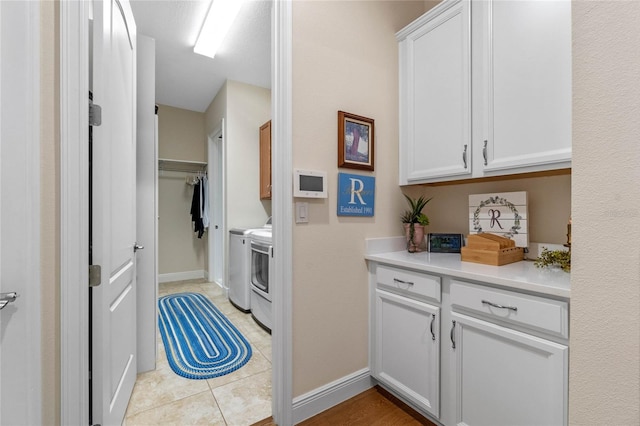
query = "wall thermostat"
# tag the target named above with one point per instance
(309, 184)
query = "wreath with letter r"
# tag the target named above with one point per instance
(502, 202)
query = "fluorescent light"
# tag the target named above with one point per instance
(219, 19)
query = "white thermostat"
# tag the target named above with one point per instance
(309, 184)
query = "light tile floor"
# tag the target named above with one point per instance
(237, 399)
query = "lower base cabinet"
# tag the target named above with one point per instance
(408, 349)
(506, 377)
(477, 356)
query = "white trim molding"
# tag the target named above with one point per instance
(327, 396)
(216, 169)
(282, 159)
(32, 236)
(181, 276)
(74, 214)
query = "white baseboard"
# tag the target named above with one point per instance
(327, 396)
(181, 276)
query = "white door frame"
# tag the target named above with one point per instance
(74, 212)
(74, 200)
(282, 210)
(217, 195)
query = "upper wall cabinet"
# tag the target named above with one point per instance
(513, 59)
(265, 161)
(526, 83)
(435, 95)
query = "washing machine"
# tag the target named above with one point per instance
(239, 268)
(261, 277)
(239, 293)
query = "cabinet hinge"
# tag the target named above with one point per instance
(95, 114)
(95, 271)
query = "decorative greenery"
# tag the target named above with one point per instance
(561, 258)
(414, 215)
(423, 219)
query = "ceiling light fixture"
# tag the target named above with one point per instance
(219, 19)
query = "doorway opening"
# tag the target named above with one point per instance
(74, 65)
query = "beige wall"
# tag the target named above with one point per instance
(605, 277)
(216, 111)
(248, 108)
(549, 205)
(181, 136)
(50, 210)
(244, 108)
(344, 58)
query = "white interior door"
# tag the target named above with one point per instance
(20, 350)
(114, 211)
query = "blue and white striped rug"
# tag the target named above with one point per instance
(199, 340)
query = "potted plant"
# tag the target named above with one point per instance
(414, 222)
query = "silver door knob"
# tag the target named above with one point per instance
(6, 298)
(137, 247)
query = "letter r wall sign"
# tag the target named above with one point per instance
(356, 195)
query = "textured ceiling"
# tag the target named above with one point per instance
(187, 80)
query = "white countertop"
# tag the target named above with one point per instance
(522, 275)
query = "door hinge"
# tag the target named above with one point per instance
(95, 271)
(95, 114)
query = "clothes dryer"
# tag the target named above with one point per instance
(239, 268)
(261, 277)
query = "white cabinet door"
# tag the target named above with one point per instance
(435, 95)
(406, 351)
(505, 377)
(527, 85)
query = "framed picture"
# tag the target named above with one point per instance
(355, 141)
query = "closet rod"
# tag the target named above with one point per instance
(171, 165)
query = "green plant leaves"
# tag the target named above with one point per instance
(561, 258)
(414, 213)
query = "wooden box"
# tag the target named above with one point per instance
(491, 249)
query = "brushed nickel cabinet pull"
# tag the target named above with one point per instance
(464, 156)
(433, 319)
(395, 280)
(453, 327)
(495, 305)
(484, 153)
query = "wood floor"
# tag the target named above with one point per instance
(372, 407)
